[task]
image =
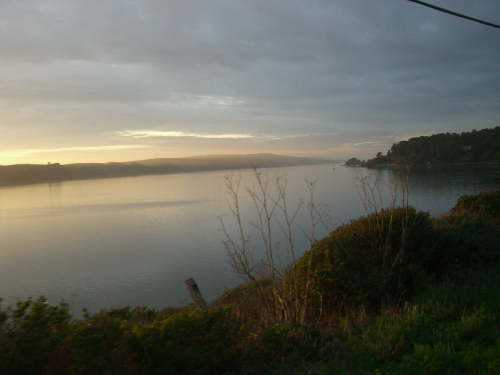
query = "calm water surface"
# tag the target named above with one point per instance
(133, 241)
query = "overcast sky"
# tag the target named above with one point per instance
(118, 80)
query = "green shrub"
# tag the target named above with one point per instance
(98, 342)
(32, 337)
(461, 241)
(366, 261)
(36, 338)
(290, 342)
(487, 203)
(253, 303)
(190, 342)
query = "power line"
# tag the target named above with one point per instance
(455, 14)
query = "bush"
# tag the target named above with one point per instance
(31, 337)
(366, 261)
(38, 339)
(191, 341)
(98, 342)
(250, 301)
(487, 203)
(461, 241)
(290, 342)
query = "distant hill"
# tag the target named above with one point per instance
(24, 174)
(232, 161)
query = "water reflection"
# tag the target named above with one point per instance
(59, 210)
(55, 193)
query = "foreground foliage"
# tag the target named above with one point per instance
(366, 262)
(460, 242)
(363, 321)
(487, 204)
(449, 328)
(38, 339)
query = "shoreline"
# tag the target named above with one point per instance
(31, 174)
(394, 166)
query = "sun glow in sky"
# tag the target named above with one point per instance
(100, 81)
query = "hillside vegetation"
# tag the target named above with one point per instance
(476, 146)
(393, 292)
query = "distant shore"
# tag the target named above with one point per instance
(28, 174)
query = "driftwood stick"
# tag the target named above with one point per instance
(198, 300)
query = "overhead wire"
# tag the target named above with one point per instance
(455, 14)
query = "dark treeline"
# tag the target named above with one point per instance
(477, 146)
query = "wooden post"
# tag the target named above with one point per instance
(198, 300)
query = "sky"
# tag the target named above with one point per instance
(119, 80)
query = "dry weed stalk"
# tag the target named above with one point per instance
(286, 304)
(371, 197)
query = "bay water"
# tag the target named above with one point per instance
(100, 244)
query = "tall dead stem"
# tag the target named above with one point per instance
(286, 304)
(371, 197)
(241, 252)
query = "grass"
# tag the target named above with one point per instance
(450, 325)
(447, 329)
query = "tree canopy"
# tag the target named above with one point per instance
(475, 146)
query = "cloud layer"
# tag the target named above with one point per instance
(332, 78)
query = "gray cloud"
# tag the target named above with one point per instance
(299, 71)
